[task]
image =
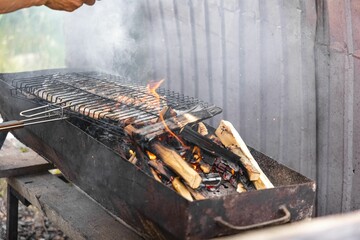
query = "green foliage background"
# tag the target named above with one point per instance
(31, 39)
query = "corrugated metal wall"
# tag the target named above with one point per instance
(255, 59)
(285, 73)
(338, 102)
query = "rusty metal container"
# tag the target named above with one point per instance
(151, 208)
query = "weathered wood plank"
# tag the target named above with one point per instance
(12, 167)
(72, 211)
(16, 160)
(203, 89)
(271, 54)
(322, 92)
(231, 34)
(217, 52)
(338, 129)
(293, 78)
(252, 73)
(308, 119)
(353, 118)
(184, 12)
(348, 174)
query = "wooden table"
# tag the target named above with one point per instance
(76, 214)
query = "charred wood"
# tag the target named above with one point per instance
(181, 189)
(208, 145)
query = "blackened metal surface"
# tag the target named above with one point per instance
(150, 207)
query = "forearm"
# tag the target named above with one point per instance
(7, 6)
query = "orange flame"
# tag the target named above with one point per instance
(152, 87)
(197, 153)
(151, 155)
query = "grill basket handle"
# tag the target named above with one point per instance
(284, 219)
(11, 125)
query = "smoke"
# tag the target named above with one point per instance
(108, 36)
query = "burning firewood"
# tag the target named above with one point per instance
(232, 140)
(133, 158)
(202, 129)
(174, 161)
(158, 168)
(206, 168)
(234, 178)
(181, 189)
(240, 188)
(155, 175)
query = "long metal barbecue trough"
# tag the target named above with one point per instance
(110, 128)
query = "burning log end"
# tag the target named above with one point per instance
(158, 167)
(176, 163)
(202, 129)
(155, 175)
(133, 158)
(181, 189)
(129, 130)
(240, 188)
(206, 168)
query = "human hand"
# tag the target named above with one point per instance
(67, 5)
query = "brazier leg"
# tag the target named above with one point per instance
(2, 138)
(12, 214)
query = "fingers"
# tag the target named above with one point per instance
(67, 5)
(89, 2)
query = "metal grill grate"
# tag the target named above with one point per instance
(105, 97)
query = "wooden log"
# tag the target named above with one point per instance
(75, 213)
(181, 189)
(156, 177)
(231, 139)
(158, 167)
(133, 158)
(240, 188)
(211, 147)
(206, 168)
(174, 161)
(202, 129)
